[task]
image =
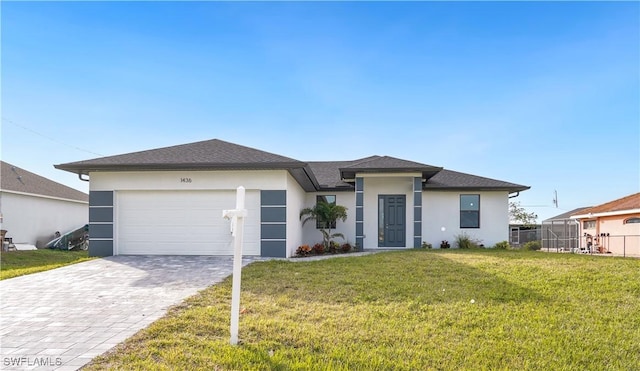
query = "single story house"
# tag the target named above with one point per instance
(613, 227)
(170, 201)
(33, 208)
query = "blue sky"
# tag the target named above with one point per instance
(545, 94)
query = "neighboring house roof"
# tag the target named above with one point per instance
(567, 214)
(15, 179)
(624, 205)
(316, 175)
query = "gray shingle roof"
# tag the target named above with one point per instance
(216, 154)
(384, 164)
(447, 179)
(328, 174)
(13, 178)
(210, 154)
(567, 214)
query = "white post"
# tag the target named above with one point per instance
(237, 230)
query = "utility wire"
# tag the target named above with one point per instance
(50, 138)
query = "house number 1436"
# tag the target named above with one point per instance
(185, 180)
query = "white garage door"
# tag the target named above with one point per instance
(182, 223)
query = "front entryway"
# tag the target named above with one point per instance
(391, 220)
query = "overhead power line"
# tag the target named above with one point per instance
(50, 138)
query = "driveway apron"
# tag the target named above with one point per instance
(62, 318)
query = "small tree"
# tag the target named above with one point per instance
(518, 214)
(326, 214)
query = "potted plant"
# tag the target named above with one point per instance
(444, 244)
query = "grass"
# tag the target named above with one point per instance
(407, 310)
(19, 263)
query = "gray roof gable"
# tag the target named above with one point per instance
(209, 154)
(387, 164)
(13, 178)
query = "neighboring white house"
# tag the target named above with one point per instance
(170, 201)
(33, 208)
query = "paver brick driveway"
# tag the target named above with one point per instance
(62, 318)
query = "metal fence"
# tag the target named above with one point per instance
(560, 235)
(518, 236)
(626, 246)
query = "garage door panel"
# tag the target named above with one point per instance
(182, 223)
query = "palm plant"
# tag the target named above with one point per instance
(326, 214)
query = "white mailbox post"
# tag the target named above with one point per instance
(237, 229)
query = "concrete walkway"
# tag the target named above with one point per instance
(62, 318)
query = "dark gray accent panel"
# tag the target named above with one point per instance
(360, 243)
(273, 214)
(100, 214)
(100, 230)
(417, 214)
(359, 214)
(359, 228)
(100, 247)
(417, 198)
(273, 231)
(273, 198)
(417, 242)
(273, 249)
(100, 198)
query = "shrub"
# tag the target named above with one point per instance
(333, 247)
(303, 250)
(465, 242)
(346, 247)
(532, 245)
(318, 249)
(426, 245)
(502, 245)
(444, 244)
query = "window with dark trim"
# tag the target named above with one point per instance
(330, 199)
(632, 220)
(469, 211)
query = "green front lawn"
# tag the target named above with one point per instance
(19, 263)
(410, 310)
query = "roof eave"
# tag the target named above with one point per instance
(605, 213)
(427, 173)
(472, 188)
(86, 169)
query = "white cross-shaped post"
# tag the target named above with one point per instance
(237, 225)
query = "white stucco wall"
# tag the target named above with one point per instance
(311, 235)
(392, 185)
(442, 209)
(34, 219)
(296, 197)
(179, 180)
